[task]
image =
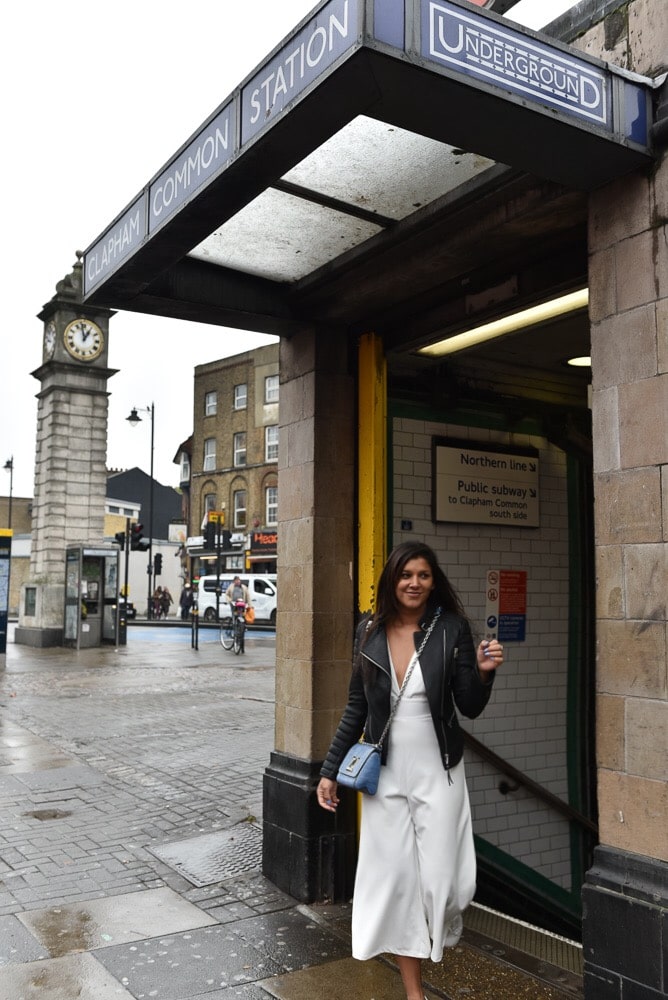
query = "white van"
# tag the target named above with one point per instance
(262, 589)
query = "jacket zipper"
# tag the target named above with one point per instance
(446, 755)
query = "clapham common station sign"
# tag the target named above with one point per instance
(456, 45)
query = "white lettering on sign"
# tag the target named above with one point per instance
(293, 71)
(114, 246)
(302, 60)
(485, 487)
(206, 154)
(483, 49)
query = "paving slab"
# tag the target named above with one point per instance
(346, 979)
(58, 776)
(17, 944)
(182, 966)
(116, 920)
(76, 976)
(292, 939)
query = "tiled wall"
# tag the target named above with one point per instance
(525, 722)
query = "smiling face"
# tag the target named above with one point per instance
(414, 585)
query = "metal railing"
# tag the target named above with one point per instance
(521, 779)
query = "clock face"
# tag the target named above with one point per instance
(83, 339)
(50, 339)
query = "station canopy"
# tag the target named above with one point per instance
(395, 165)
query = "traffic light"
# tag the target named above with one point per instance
(137, 541)
(119, 537)
(157, 561)
(210, 536)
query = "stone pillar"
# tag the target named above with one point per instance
(307, 852)
(625, 898)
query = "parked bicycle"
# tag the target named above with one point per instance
(233, 629)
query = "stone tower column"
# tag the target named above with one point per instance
(70, 454)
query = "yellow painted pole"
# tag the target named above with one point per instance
(372, 458)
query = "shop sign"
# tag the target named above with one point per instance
(263, 541)
(300, 62)
(485, 486)
(536, 71)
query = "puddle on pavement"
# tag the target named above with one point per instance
(79, 976)
(113, 920)
(45, 814)
(66, 931)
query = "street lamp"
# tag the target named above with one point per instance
(9, 467)
(133, 420)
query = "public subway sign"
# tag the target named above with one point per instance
(536, 71)
(327, 36)
(485, 486)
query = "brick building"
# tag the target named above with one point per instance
(234, 456)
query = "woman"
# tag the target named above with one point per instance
(416, 864)
(166, 600)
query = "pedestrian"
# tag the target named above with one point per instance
(186, 601)
(416, 866)
(166, 600)
(157, 603)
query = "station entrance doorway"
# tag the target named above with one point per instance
(402, 192)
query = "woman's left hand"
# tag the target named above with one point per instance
(490, 655)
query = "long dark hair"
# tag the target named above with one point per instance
(443, 596)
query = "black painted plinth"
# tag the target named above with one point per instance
(625, 927)
(306, 852)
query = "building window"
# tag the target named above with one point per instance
(209, 502)
(240, 448)
(239, 500)
(271, 389)
(271, 443)
(30, 601)
(114, 510)
(210, 404)
(240, 396)
(129, 512)
(185, 467)
(271, 505)
(209, 454)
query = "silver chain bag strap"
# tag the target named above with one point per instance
(360, 768)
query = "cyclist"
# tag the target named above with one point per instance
(238, 591)
(239, 597)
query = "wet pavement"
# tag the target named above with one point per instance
(130, 844)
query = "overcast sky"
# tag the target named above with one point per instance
(96, 98)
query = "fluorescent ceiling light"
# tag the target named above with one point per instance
(509, 324)
(579, 362)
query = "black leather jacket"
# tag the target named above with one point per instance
(451, 678)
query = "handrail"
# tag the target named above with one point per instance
(538, 790)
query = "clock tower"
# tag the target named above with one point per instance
(70, 453)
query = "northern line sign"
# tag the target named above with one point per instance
(484, 486)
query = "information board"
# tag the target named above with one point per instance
(484, 486)
(506, 605)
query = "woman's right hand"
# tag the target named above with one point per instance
(327, 797)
